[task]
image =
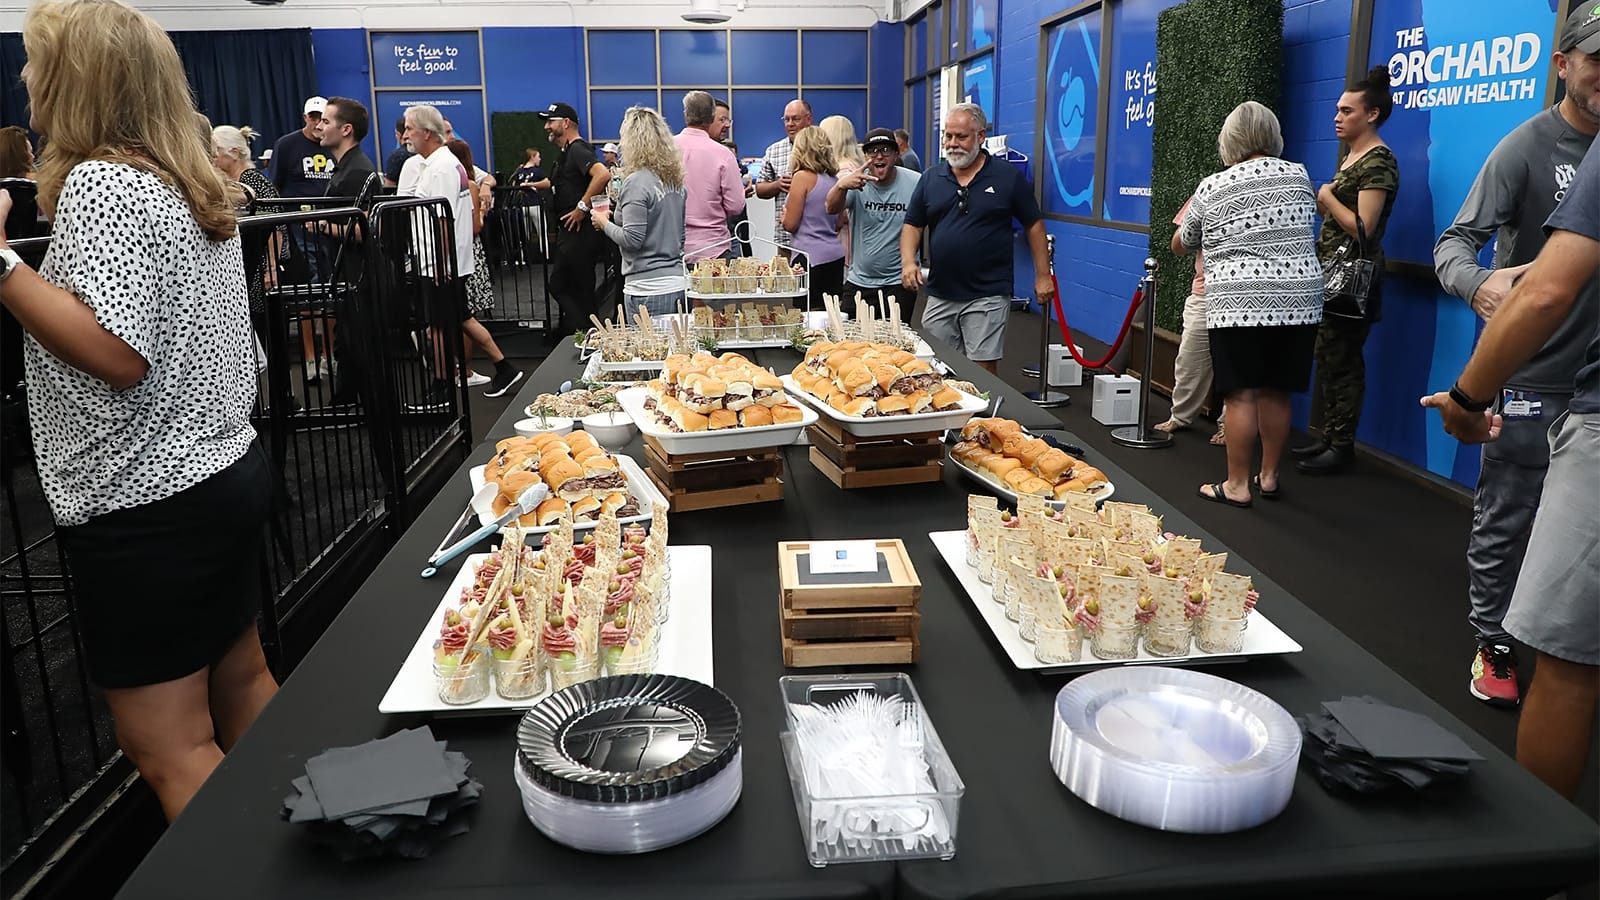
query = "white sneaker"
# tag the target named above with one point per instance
(476, 378)
(313, 372)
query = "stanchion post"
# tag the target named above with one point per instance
(1142, 435)
(1044, 396)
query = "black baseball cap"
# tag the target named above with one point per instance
(1582, 30)
(559, 111)
(883, 137)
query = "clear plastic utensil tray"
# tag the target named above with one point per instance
(841, 826)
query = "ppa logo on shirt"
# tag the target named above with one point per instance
(318, 167)
(1565, 173)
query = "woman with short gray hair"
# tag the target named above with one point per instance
(1263, 292)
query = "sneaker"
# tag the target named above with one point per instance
(437, 398)
(503, 381)
(313, 372)
(477, 379)
(1494, 676)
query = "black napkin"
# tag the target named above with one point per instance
(395, 796)
(1365, 745)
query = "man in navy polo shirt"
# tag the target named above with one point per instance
(968, 202)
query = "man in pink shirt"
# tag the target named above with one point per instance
(711, 179)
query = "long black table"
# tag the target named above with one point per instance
(1021, 834)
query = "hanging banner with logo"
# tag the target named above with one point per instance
(462, 109)
(443, 69)
(1131, 125)
(1463, 73)
(1071, 98)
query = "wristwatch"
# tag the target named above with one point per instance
(1467, 403)
(583, 205)
(9, 261)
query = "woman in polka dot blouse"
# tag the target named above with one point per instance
(141, 373)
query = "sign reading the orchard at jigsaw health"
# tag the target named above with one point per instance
(426, 59)
(1462, 74)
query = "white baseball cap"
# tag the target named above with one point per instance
(609, 148)
(318, 105)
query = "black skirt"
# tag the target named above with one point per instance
(163, 590)
(1262, 357)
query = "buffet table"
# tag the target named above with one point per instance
(1022, 833)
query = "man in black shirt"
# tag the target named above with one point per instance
(341, 131)
(302, 168)
(578, 176)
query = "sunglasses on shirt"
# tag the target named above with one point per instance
(961, 199)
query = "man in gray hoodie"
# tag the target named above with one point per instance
(1520, 184)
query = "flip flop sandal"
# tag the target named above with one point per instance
(1217, 496)
(1273, 494)
(1219, 439)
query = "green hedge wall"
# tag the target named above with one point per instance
(513, 132)
(1212, 55)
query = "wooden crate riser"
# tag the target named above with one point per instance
(714, 480)
(680, 500)
(878, 455)
(854, 626)
(923, 473)
(802, 654)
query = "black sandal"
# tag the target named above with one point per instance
(1273, 494)
(1218, 496)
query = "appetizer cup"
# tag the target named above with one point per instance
(462, 682)
(1114, 641)
(1057, 643)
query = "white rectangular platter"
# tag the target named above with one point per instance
(891, 425)
(728, 440)
(1104, 493)
(639, 487)
(685, 641)
(1261, 638)
(599, 370)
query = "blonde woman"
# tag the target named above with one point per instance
(141, 375)
(847, 157)
(648, 226)
(815, 232)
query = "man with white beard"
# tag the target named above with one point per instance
(967, 202)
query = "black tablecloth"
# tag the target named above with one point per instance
(1021, 833)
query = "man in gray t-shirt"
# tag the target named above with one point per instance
(1521, 183)
(876, 198)
(1554, 609)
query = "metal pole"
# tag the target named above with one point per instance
(1044, 396)
(1141, 435)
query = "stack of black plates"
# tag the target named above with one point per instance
(630, 763)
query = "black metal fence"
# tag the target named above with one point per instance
(351, 441)
(517, 237)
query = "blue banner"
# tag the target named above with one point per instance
(977, 85)
(1072, 98)
(1463, 73)
(983, 20)
(1132, 117)
(426, 59)
(462, 109)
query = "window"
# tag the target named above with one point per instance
(958, 33)
(757, 72)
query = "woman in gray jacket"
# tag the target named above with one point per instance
(648, 226)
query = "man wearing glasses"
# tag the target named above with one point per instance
(773, 182)
(967, 201)
(876, 198)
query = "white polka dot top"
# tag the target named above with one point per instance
(127, 246)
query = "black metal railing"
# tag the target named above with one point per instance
(351, 446)
(517, 238)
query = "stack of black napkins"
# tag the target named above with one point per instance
(395, 796)
(1368, 746)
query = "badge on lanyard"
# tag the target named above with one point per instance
(1520, 405)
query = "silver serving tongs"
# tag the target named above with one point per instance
(526, 502)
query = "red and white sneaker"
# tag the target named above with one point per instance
(1494, 676)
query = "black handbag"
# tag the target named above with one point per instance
(1347, 278)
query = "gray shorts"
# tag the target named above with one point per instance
(1556, 606)
(975, 328)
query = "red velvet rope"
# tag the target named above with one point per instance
(1066, 333)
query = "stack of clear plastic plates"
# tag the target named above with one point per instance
(630, 763)
(1174, 749)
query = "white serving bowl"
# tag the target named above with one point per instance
(556, 425)
(611, 430)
